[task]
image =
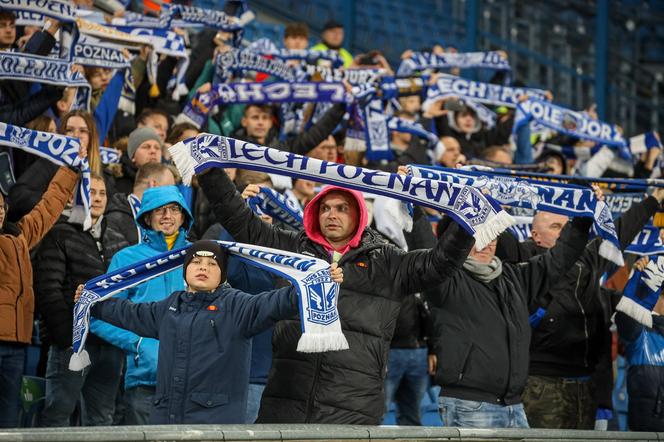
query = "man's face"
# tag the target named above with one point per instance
(159, 123)
(326, 150)
(338, 217)
(166, 219)
(555, 165)
(305, 188)
(546, 228)
(98, 198)
(452, 152)
(203, 274)
(485, 255)
(148, 152)
(76, 127)
(334, 37)
(411, 104)
(7, 32)
(257, 123)
(100, 77)
(500, 156)
(296, 42)
(465, 121)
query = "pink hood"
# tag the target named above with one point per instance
(312, 227)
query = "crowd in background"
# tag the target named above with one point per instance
(521, 333)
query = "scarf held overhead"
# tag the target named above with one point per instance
(419, 61)
(480, 216)
(282, 209)
(642, 291)
(321, 327)
(58, 149)
(564, 199)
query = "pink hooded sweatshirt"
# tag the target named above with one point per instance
(312, 226)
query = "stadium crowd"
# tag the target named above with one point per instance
(523, 332)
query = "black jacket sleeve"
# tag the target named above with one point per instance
(143, 319)
(510, 250)
(21, 111)
(51, 289)
(421, 236)
(30, 187)
(540, 272)
(302, 143)
(420, 269)
(237, 218)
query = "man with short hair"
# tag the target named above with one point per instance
(496, 154)
(344, 387)
(452, 154)
(165, 219)
(144, 146)
(333, 38)
(258, 127)
(7, 30)
(68, 256)
(570, 372)
(122, 208)
(326, 150)
(296, 36)
(157, 120)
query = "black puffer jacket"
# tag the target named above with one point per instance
(67, 257)
(482, 328)
(342, 387)
(119, 218)
(573, 335)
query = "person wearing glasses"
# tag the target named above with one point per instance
(165, 219)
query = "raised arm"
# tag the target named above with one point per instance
(256, 313)
(541, 271)
(421, 269)
(233, 213)
(143, 319)
(309, 139)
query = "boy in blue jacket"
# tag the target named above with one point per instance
(205, 338)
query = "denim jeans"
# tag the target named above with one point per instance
(12, 361)
(254, 395)
(139, 402)
(406, 383)
(96, 386)
(473, 414)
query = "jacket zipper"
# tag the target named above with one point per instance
(214, 331)
(310, 401)
(583, 312)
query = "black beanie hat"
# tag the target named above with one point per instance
(209, 249)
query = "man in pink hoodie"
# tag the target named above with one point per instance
(342, 387)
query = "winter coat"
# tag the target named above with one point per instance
(141, 367)
(120, 218)
(645, 375)
(342, 387)
(572, 336)
(205, 346)
(482, 328)
(68, 256)
(125, 183)
(17, 299)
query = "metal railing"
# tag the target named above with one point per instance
(310, 432)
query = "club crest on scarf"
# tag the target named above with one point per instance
(207, 147)
(509, 189)
(322, 298)
(469, 205)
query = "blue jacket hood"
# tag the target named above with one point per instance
(158, 196)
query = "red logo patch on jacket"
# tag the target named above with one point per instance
(364, 265)
(213, 308)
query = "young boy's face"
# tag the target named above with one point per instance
(7, 31)
(203, 274)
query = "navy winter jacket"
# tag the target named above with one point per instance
(205, 348)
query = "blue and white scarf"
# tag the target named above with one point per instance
(420, 61)
(38, 69)
(35, 10)
(282, 209)
(236, 61)
(642, 291)
(480, 216)
(109, 155)
(368, 131)
(58, 149)
(647, 242)
(568, 122)
(265, 46)
(487, 93)
(135, 19)
(564, 199)
(620, 203)
(356, 77)
(192, 15)
(135, 206)
(200, 106)
(435, 147)
(321, 327)
(92, 52)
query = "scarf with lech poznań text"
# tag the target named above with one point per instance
(564, 199)
(419, 61)
(480, 216)
(58, 149)
(321, 327)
